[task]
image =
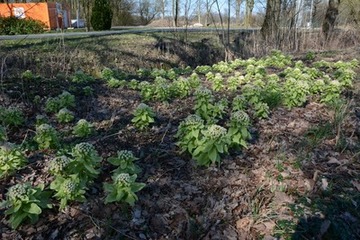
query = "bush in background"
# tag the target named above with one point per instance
(101, 15)
(13, 25)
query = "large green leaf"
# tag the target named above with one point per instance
(33, 208)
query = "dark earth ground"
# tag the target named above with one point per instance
(294, 181)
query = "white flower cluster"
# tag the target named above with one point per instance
(44, 128)
(240, 117)
(58, 164)
(203, 93)
(84, 148)
(123, 179)
(69, 186)
(18, 191)
(193, 119)
(126, 155)
(215, 131)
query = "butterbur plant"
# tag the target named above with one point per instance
(143, 116)
(11, 159)
(58, 165)
(238, 129)
(214, 142)
(85, 161)
(11, 116)
(238, 103)
(69, 188)
(107, 74)
(146, 90)
(64, 116)
(189, 133)
(203, 103)
(122, 189)
(64, 100)
(25, 202)
(46, 137)
(124, 161)
(295, 92)
(83, 128)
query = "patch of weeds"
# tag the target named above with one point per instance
(315, 135)
(284, 229)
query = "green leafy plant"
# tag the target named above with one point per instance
(46, 137)
(310, 56)
(189, 133)
(204, 103)
(59, 165)
(233, 83)
(182, 87)
(85, 162)
(122, 189)
(143, 116)
(261, 109)
(69, 188)
(238, 103)
(64, 100)
(218, 83)
(11, 116)
(64, 116)
(214, 142)
(107, 74)
(238, 129)
(116, 83)
(133, 84)
(28, 75)
(162, 89)
(83, 128)
(11, 159)
(81, 77)
(203, 69)
(125, 162)
(295, 92)
(25, 202)
(88, 91)
(146, 90)
(331, 92)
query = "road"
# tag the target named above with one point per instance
(115, 32)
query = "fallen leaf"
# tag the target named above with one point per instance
(244, 224)
(333, 160)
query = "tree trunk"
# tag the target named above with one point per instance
(270, 26)
(237, 11)
(332, 12)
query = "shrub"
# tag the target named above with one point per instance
(101, 15)
(13, 25)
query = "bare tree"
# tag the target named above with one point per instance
(248, 12)
(175, 12)
(237, 10)
(330, 17)
(271, 25)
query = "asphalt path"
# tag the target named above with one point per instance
(117, 31)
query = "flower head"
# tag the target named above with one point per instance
(18, 191)
(84, 149)
(58, 164)
(215, 131)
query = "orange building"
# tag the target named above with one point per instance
(53, 15)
